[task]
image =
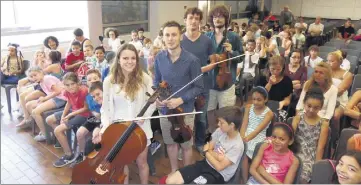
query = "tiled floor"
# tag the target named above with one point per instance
(25, 161)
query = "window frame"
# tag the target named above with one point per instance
(119, 24)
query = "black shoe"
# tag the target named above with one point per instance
(63, 161)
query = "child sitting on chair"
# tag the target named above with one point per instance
(223, 154)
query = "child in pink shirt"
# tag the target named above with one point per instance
(54, 99)
(275, 163)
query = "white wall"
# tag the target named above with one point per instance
(162, 11)
(335, 9)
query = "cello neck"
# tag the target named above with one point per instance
(144, 109)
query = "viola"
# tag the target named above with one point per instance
(180, 132)
(224, 76)
(121, 144)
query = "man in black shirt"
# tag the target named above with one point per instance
(346, 32)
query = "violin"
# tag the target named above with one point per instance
(180, 132)
(121, 144)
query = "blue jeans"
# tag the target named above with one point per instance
(5, 79)
(201, 123)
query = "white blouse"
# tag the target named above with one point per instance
(329, 104)
(116, 106)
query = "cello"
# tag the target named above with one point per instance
(106, 166)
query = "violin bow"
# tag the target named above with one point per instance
(155, 117)
(228, 59)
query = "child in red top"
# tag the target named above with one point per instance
(75, 114)
(74, 59)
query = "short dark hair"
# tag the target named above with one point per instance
(100, 48)
(76, 43)
(348, 19)
(251, 40)
(209, 26)
(173, 24)
(95, 85)
(314, 47)
(315, 93)
(219, 10)
(194, 11)
(141, 29)
(160, 33)
(78, 32)
(46, 40)
(93, 71)
(134, 31)
(231, 114)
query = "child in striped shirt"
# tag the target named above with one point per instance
(256, 119)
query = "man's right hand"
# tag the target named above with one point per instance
(159, 104)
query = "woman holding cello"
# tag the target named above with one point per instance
(123, 98)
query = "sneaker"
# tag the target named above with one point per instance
(78, 159)
(63, 161)
(57, 145)
(180, 153)
(154, 146)
(40, 138)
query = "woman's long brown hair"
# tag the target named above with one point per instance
(135, 78)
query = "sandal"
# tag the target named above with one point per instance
(26, 124)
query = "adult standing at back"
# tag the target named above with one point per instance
(286, 16)
(79, 36)
(201, 46)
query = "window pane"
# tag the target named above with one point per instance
(124, 11)
(7, 14)
(53, 14)
(126, 29)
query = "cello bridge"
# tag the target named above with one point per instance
(100, 170)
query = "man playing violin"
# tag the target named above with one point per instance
(224, 42)
(177, 67)
(201, 46)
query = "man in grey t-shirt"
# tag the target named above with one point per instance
(223, 153)
(286, 16)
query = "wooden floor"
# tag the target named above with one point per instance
(25, 161)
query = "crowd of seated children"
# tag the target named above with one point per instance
(256, 120)
(94, 101)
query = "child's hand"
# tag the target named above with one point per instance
(221, 153)
(41, 99)
(206, 147)
(97, 136)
